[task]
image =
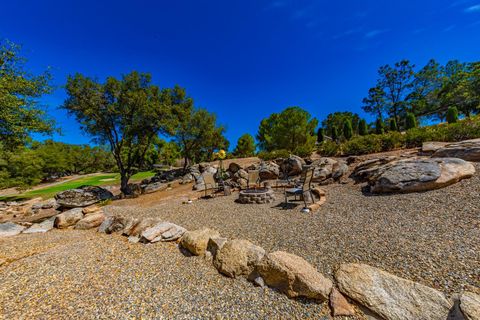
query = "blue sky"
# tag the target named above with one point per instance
(244, 59)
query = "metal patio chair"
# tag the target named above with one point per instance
(305, 187)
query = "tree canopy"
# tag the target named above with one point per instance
(20, 112)
(245, 146)
(293, 129)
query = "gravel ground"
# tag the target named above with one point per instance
(431, 237)
(86, 275)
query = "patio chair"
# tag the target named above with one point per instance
(253, 179)
(306, 186)
(209, 183)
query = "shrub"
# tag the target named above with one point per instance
(334, 133)
(392, 140)
(272, 155)
(303, 151)
(321, 135)
(393, 125)
(379, 126)
(347, 129)
(328, 149)
(362, 145)
(452, 115)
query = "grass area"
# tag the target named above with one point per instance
(94, 180)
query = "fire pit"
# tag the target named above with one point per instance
(259, 196)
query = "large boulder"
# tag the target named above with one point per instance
(112, 224)
(293, 276)
(269, 170)
(237, 257)
(328, 168)
(164, 231)
(468, 150)
(470, 305)
(196, 241)
(234, 167)
(68, 218)
(293, 165)
(389, 296)
(413, 175)
(90, 221)
(9, 229)
(41, 227)
(82, 197)
(368, 168)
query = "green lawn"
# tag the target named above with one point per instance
(96, 180)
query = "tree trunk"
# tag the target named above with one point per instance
(126, 190)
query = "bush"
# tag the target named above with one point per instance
(328, 149)
(347, 129)
(272, 155)
(320, 135)
(452, 115)
(379, 126)
(410, 121)
(362, 145)
(393, 125)
(303, 151)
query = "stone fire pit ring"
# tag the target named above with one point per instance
(256, 196)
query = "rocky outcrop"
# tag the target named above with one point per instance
(196, 241)
(90, 221)
(164, 231)
(82, 197)
(269, 170)
(413, 175)
(293, 276)
(468, 150)
(389, 296)
(293, 165)
(470, 305)
(68, 218)
(367, 169)
(9, 229)
(237, 257)
(327, 168)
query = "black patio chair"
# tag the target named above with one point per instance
(303, 188)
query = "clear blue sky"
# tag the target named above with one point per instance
(240, 59)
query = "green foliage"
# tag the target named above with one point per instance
(289, 130)
(20, 113)
(334, 134)
(328, 149)
(272, 155)
(169, 153)
(410, 121)
(362, 127)
(452, 115)
(338, 119)
(245, 146)
(393, 125)
(379, 126)
(320, 135)
(347, 129)
(126, 113)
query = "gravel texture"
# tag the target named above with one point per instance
(431, 237)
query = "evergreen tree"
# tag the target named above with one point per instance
(320, 135)
(334, 133)
(379, 126)
(452, 115)
(410, 121)
(393, 125)
(362, 127)
(245, 146)
(347, 129)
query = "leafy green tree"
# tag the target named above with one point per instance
(410, 121)
(245, 146)
(198, 134)
(320, 135)
(20, 112)
(334, 134)
(347, 129)
(126, 113)
(375, 103)
(337, 119)
(426, 83)
(393, 125)
(362, 127)
(292, 129)
(379, 126)
(169, 153)
(452, 115)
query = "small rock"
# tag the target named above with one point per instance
(68, 218)
(164, 231)
(41, 227)
(91, 209)
(9, 229)
(237, 257)
(112, 224)
(339, 304)
(133, 239)
(90, 221)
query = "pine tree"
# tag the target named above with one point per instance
(410, 121)
(320, 135)
(362, 128)
(452, 115)
(334, 134)
(379, 126)
(393, 125)
(347, 129)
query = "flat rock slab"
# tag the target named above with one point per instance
(164, 231)
(419, 174)
(9, 229)
(468, 150)
(82, 197)
(41, 227)
(391, 297)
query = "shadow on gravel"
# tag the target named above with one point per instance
(185, 252)
(286, 206)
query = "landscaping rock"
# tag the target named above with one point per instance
(41, 227)
(389, 296)
(196, 241)
(140, 226)
(215, 244)
(413, 175)
(468, 150)
(90, 221)
(293, 165)
(269, 170)
(234, 167)
(91, 209)
(82, 197)
(9, 229)
(130, 223)
(366, 169)
(326, 168)
(68, 218)
(339, 304)
(429, 148)
(112, 224)
(470, 305)
(237, 257)
(293, 276)
(154, 187)
(164, 231)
